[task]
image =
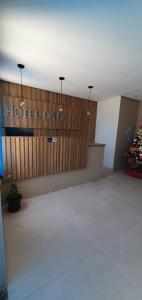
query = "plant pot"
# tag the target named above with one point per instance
(14, 205)
(14, 199)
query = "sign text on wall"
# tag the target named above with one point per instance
(36, 114)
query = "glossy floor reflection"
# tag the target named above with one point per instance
(84, 242)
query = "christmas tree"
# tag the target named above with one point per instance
(134, 153)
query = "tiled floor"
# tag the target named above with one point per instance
(81, 243)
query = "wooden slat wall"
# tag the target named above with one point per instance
(26, 157)
(37, 98)
(56, 132)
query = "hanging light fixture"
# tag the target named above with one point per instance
(21, 67)
(61, 78)
(90, 87)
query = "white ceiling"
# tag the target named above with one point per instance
(89, 42)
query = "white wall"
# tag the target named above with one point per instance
(106, 127)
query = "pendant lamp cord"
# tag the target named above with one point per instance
(61, 94)
(21, 85)
(89, 93)
(89, 98)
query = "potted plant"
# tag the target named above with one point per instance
(14, 199)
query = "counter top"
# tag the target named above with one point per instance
(96, 145)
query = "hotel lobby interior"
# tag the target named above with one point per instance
(71, 150)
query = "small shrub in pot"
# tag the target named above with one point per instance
(14, 199)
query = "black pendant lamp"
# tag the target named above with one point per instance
(21, 67)
(61, 78)
(90, 87)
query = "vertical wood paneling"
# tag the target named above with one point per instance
(45, 155)
(8, 149)
(41, 157)
(51, 158)
(49, 101)
(48, 158)
(13, 158)
(58, 156)
(18, 162)
(31, 157)
(37, 156)
(34, 158)
(4, 153)
(26, 151)
(26, 157)
(22, 157)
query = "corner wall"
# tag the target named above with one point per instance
(127, 119)
(139, 119)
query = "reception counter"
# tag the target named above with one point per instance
(46, 184)
(43, 149)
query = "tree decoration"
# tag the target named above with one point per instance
(134, 153)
